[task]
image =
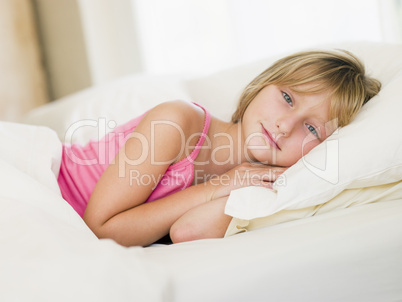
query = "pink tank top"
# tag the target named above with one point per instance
(82, 166)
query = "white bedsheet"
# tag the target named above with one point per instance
(47, 252)
(347, 255)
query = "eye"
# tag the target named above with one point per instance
(312, 130)
(287, 98)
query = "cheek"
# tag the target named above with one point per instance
(309, 143)
(301, 145)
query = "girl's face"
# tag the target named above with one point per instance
(280, 125)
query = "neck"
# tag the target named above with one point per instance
(227, 146)
(224, 150)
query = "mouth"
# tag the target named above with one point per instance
(269, 138)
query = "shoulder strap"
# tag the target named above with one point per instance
(207, 122)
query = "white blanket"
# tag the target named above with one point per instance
(47, 252)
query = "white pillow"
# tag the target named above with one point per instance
(368, 152)
(346, 199)
(115, 103)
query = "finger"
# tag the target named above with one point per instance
(267, 184)
(265, 175)
(257, 182)
(258, 164)
(277, 169)
(256, 167)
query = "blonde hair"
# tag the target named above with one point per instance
(338, 71)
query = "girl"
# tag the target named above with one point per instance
(171, 170)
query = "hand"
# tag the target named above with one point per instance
(244, 175)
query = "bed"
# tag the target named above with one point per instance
(318, 238)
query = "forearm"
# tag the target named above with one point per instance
(131, 222)
(204, 221)
(148, 222)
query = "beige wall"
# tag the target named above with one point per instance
(111, 38)
(63, 46)
(22, 82)
(86, 42)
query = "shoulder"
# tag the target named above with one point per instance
(187, 116)
(178, 110)
(175, 127)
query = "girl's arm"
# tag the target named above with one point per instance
(204, 221)
(116, 208)
(209, 220)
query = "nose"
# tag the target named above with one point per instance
(286, 124)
